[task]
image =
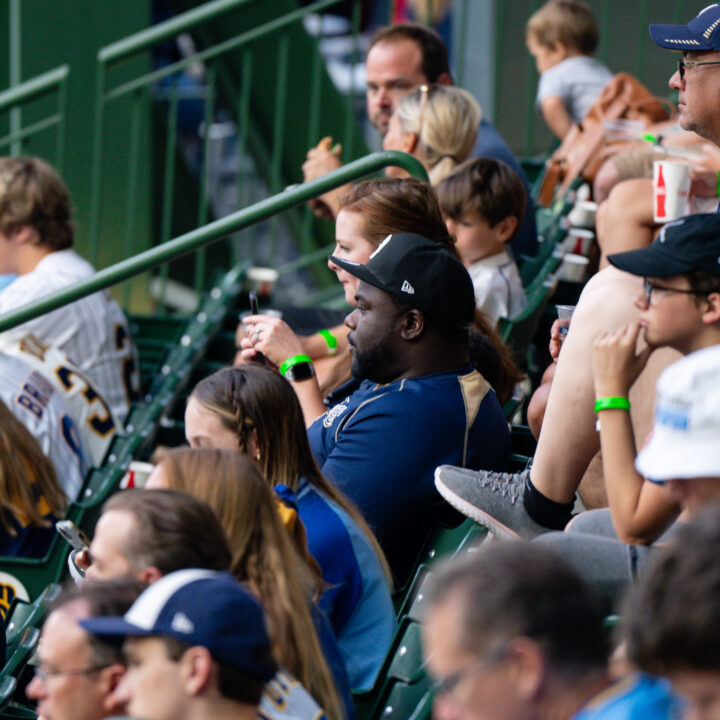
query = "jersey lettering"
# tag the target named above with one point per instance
(27, 402)
(131, 379)
(101, 422)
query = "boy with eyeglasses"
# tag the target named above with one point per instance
(679, 308)
(682, 311)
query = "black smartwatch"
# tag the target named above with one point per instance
(297, 368)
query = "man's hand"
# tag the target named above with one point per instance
(616, 362)
(320, 161)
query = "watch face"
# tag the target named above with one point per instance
(301, 371)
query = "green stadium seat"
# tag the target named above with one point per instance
(15, 711)
(407, 662)
(402, 701)
(23, 614)
(8, 685)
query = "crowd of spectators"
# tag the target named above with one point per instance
(253, 574)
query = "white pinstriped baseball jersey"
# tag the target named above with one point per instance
(93, 331)
(91, 414)
(33, 399)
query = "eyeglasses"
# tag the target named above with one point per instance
(445, 685)
(43, 674)
(683, 64)
(649, 286)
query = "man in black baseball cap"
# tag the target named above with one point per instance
(419, 403)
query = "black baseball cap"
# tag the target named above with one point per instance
(690, 243)
(420, 273)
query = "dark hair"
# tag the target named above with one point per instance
(174, 531)
(568, 22)
(484, 185)
(234, 683)
(702, 282)
(673, 614)
(32, 194)
(103, 598)
(494, 361)
(508, 590)
(433, 51)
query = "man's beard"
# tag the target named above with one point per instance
(376, 364)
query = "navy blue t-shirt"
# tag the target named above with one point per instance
(490, 143)
(381, 446)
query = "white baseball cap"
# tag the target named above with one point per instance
(686, 430)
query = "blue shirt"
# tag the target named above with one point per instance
(490, 143)
(381, 446)
(636, 697)
(334, 659)
(358, 602)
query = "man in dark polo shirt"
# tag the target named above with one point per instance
(420, 403)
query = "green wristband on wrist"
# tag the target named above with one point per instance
(718, 187)
(294, 360)
(331, 341)
(612, 403)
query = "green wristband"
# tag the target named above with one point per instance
(718, 187)
(612, 403)
(331, 341)
(294, 360)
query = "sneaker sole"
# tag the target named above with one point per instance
(473, 512)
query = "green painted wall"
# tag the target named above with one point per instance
(72, 31)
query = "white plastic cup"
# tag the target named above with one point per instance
(574, 268)
(671, 190)
(261, 279)
(564, 316)
(579, 241)
(136, 475)
(583, 214)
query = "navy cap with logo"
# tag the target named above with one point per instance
(198, 607)
(420, 273)
(690, 243)
(701, 34)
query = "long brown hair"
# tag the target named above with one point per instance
(29, 487)
(251, 398)
(263, 557)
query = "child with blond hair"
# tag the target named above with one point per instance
(562, 36)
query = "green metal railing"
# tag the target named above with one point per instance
(247, 53)
(33, 99)
(197, 239)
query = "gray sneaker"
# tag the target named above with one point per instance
(493, 499)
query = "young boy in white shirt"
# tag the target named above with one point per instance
(483, 202)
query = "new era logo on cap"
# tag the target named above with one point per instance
(407, 288)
